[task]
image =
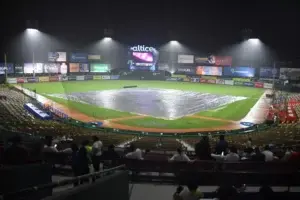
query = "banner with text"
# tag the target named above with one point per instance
(259, 84)
(21, 80)
(220, 81)
(268, 72)
(212, 81)
(239, 71)
(57, 56)
(12, 80)
(94, 57)
(186, 70)
(242, 79)
(32, 79)
(88, 77)
(229, 82)
(44, 79)
(214, 60)
(78, 57)
(9, 67)
(79, 78)
(209, 77)
(36, 68)
(105, 77)
(54, 78)
(186, 59)
(97, 77)
(268, 85)
(209, 70)
(114, 77)
(289, 73)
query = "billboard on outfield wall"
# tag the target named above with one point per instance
(64, 78)
(54, 78)
(88, 77)
(186, 70)
(289, 73)
(32, 79)
(114, 77)
(249, 84)
(238, 83)
(268, 85)
(44, 79)
(195, 80)
(57, 57)
(229, 82)
(30, 68)
(209, 70)
(209, 77)
(99, 67)
(259, 84)
(268, 72)
(242, 79)
(72, 78)
(239, 71)
(220, 81)
(94, 57)
(78, 57)
(79, 78)
(212, 81)
(21, 80)
(105, 77)
(97, 77)
(186, 59)
(9, 67)
(12, 80)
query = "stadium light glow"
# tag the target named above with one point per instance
(32, 31)
(174, 42)
(107, 39)
(254, 41)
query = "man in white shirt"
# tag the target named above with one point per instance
(232, 156)
(269, 156)
(180, 156)
(96, 153)
(134, 153)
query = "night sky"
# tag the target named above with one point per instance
(203, 25)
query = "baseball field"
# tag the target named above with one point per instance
(153, 104)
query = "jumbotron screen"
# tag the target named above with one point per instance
(142, 57)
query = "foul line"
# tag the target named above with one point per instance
(212, 118)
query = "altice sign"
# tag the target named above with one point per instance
(142, 48)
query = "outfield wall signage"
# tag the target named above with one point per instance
(97, 77)
(212, 81)
(64, 78)
(105, 77)
(78, 57)
(220, 81)
(174, 79)
(188, 59)
(88, 77)
(239, 71)
(21, 80)
(44, 79)
(72, 78)
(268, 72)
(32, 79)
(209, 77)
(79, 78)
(238, 83)
(54, 78)
(249, 84)
(115, 77)
(142, 48)
(12, 80)
(57, 56)
(195, 80)
(94, 57)
(229, 82)
(259, 84)
(268, 85)
(242, 79)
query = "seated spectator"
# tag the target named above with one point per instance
(202, 149)
(16, 154)
(295, 155)
(191, 192)
(134, 153)
(49, 147)
(258, 156)
(249, 143)
(222, 145)
(232, 156)
(176, 195)
(180, 156)
(269, 156)
(226, 193)
(248, 153)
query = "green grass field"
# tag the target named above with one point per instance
(234, 111)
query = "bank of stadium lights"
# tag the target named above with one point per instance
(107, 39)
(254, 41)
(174, 42)
(32, 31)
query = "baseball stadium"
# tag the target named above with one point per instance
(145, 104)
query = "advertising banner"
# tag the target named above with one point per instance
(105, 77)
(114, 77)
(19, 69)
(44, 79)
(63, 68)
(229, 82)
(97, 77)
(174, 79)
(51, 68)
(9, 68)
(53, 78)
(188, 59)
(12, 80)
(94, 57)
(259, 84)
(239, 71)
(88, 77)
(186, 70)
(78, 57)
(289, 73)
(163, 66)
(220, 81)
(242, 79)
(249, 84)
(203, 80)
(211, 81)
(268, 72)
(186, 79)
(72, 78)
(195, 80)
(79, 78)
(209, 70)
(21, 80)
(30, 68)
(32, 79)
(73, 67)
(209, 77)
(83, 67)
(214, 60)
(98, 67)
(268, 85)
(64, 78)
(57, 56)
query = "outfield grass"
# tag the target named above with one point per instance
(183, 123)
(234, 111)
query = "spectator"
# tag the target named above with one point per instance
(16, 154)
(49, 147)
(83, 160)
(134, 153)
(232, 156)
(258, 156)
(176, 195)
(249, 143)
(226, 193)
(96, 153)
(222, 145)
(266, 193)
(269, 156)
(191, 192)
(111, 156)
(202, 149)
(295, 155)
(180, 156)
(75, 162)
